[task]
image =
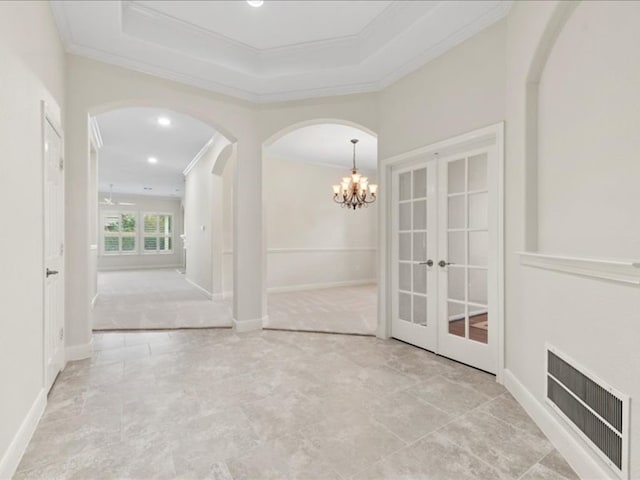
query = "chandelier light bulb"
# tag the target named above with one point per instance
(373, 189)
(336, 189)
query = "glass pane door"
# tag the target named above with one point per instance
(465, 213)
(414, 238)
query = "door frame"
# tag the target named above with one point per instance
(490, 135)
(50, 114)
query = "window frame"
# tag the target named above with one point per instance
(119, 234)
(157, 235)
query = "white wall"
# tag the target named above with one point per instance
(143, 204)
(311, 240)
(198, 213)
(460, 91)
(584, 202)
(32, 57)
(204, 214)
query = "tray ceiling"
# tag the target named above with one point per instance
(283, 50)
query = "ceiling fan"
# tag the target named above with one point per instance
(109, 200)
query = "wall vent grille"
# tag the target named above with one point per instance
(594, 409)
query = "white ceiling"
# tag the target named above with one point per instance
(131, 135)
(283, 50)
(328, 144)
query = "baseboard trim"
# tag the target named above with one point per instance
(202, 289)
(585, 465)
(11, 458)
(321, 286)
(139, 267)
(78, 352)
(249, 325)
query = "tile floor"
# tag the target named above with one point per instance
(280, 405)
(157, 299)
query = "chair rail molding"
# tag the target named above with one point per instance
(611, 269)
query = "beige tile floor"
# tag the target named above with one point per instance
(280, 405)
(162, 299)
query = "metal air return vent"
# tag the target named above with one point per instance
(594, 409)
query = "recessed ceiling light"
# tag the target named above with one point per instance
(164, 121)
(255, 3)
(148, 188)
(152, 160)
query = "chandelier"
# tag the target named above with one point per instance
(354, 191)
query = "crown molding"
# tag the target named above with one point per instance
(203, 151)
(362, 63)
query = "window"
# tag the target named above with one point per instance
(158, 233)
(119, 233)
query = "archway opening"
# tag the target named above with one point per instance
(156, 217)
(320, 259)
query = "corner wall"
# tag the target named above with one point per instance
(32, 59)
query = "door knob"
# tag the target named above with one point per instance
(443, 264)
(51, 272)
(428, 263)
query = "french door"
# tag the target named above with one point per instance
(444, 256)
(53, 253)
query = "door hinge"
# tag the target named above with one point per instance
(61, 333)
(61, 249)
(61, 164)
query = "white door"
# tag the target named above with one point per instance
(467, 260)
(53, 253)
(444, 256)
(414, 302)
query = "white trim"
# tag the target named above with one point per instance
(249, 325)
(199, 155)
(138, 267)
(12, 457)
(454, 318)
(615, 270)
(78, 352)
(579, 457)
(314, 250)
(96, 136)
(201, 289)
(320, 286)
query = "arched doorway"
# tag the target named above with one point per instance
(319, 259)
(158, 196)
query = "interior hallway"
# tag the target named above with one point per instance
(276, 405)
